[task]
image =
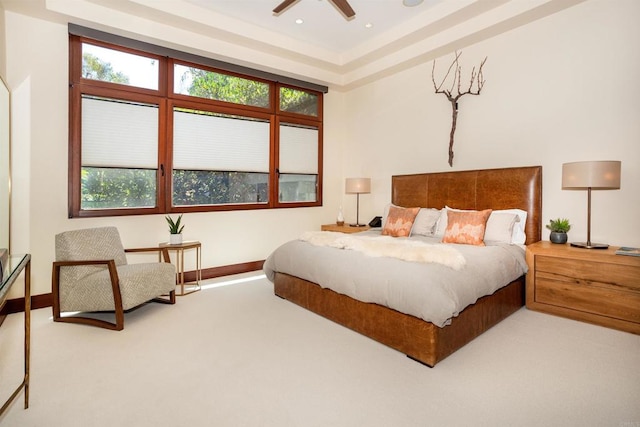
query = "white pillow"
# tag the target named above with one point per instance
(425, 222)
(518, 236)
(500, 227)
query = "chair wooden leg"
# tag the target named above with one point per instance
(171, 299)
(91, 322)
(55, 291)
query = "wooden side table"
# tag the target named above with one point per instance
(591, 285)
(179, 249)
(18, 264)
(343, 228)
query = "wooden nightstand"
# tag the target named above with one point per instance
(591, 285)
(343, 228)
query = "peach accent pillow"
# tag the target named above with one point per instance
(399, 221)
(466, 227)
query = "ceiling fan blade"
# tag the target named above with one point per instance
(344, 6)
(282, 6)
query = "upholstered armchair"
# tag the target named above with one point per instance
(91, 274)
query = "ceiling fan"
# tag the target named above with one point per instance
(343, 5)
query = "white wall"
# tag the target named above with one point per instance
(562, 89)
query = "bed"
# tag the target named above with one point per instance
(421, 340)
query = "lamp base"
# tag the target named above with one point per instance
(357, 225)
(586, 245)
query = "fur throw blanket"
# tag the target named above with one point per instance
(386, 246)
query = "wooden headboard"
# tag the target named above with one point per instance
(504, 188)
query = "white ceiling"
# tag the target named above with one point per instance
(324, 26)
(326, 49)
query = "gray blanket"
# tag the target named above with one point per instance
(430, 291)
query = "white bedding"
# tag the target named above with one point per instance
(428, 290)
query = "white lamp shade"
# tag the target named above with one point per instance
(603, 175)
(358, 185)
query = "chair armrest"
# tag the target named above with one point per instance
(82, 262)
(55, 281)
(109, 263)
(163, 251)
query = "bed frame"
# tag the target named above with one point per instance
(420, 340)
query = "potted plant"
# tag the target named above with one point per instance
(559, 228)
(175, 230)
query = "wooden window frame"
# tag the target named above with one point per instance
(166, 101)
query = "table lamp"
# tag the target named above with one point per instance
(358, 186)
(597, 175)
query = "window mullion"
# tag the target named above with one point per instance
(274, 164)
(164, 158)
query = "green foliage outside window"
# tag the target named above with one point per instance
(223, 87)
(298, 101)
(113, 188)
(298, 187)
(219, 187)
(95, 69)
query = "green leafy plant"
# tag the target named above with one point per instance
(559, 225)
(174, 226)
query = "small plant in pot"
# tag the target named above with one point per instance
(559, 228)
(175, 230)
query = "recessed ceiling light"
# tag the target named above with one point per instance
(368, 25)
(411, 3)
(299, 21)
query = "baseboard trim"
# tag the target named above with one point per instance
(16, 305)
(225, 270)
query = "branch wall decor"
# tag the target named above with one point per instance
(455, 92)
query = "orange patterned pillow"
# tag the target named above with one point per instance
(399, 221)
(466, 227)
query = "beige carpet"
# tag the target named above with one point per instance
(236, 355)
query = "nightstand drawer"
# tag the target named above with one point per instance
(595, 297)
(591, 273)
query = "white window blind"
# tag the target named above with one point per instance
(298, 150)
(119, 134)
(207, 142)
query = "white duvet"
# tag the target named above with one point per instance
(429, 289)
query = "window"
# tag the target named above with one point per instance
(119, 154)
(150, 133)
(298, 101)
(113, 66)
(298, 163)
(219, 159)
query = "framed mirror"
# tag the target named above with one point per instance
(5, 165)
